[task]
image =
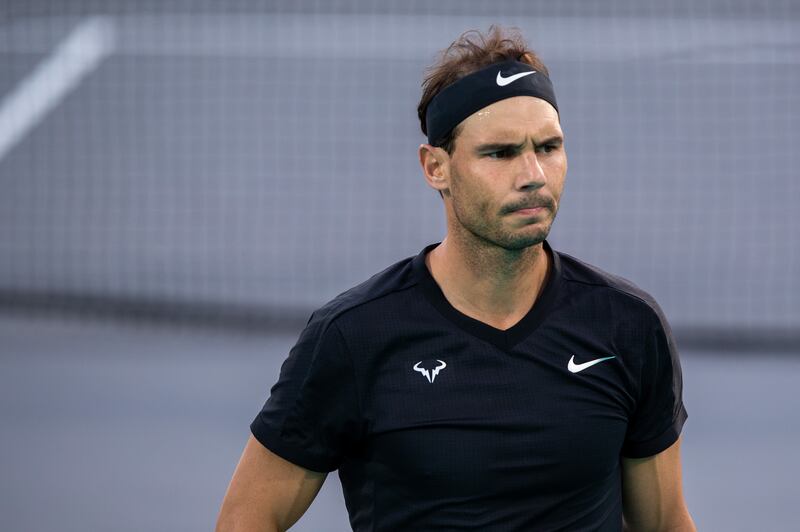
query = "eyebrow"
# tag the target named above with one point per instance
(500, 146)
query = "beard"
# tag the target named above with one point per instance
(497, 227)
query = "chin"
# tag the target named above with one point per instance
(510, 238)
(518, 242)
(525, 237)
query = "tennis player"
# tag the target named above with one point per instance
(490, 382)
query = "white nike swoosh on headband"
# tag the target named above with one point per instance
(501, 81)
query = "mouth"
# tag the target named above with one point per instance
(528, 209)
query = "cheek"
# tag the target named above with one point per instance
(556, 171)
(474, 195)
(476, 190)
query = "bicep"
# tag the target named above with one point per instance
(266, 492)
(652, 492)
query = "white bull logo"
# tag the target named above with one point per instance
(430, 374)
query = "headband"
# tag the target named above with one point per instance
(479, 89)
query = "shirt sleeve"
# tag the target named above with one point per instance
(659, 414)
(312, 415)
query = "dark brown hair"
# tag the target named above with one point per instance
(471, 52)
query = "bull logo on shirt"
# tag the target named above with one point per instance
(430, 374)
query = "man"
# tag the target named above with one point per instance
(489, 383)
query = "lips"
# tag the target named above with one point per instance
(529, 210)
(528, 207)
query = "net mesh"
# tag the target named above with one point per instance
(180, 160)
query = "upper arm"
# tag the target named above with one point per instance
(266, 492)
(652, 492)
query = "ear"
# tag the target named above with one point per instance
(435, 164)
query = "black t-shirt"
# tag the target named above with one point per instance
(437, 421)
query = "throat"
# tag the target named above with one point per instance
(497, 290)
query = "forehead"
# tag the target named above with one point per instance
(511, 119)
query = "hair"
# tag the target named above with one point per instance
(471, 52)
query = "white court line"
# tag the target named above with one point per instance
(55, 77)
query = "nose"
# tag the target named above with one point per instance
(531, 175)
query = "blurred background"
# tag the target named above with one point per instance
(182, 183)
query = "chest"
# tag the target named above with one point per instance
(451, 412)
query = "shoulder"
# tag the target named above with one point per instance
(618, 293)
(322, 343)
(397, 278)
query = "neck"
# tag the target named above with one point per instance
(487, 282)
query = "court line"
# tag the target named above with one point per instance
(53, 79)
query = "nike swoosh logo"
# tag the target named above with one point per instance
(511, 79)
(575, 368)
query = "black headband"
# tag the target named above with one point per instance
(479, 89)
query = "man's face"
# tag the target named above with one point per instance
(506, 173)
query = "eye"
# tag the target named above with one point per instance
(547, 148)
(505, 153)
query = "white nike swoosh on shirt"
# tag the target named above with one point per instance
(575, 368)
(511, 79)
